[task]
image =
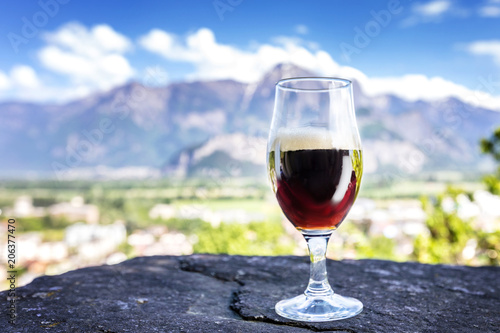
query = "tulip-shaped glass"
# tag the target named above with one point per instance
(314, 161)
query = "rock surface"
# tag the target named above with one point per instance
(208, 293)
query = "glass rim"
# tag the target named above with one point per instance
(346, 83)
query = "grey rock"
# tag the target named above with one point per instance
(209, 293)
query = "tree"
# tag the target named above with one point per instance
(452, 240)
(254, 238)
(491, 146)
(448, 233)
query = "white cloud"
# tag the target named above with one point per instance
(433, 8)
(88, 60)
(91, 42)
(24, 76)
(20, 77)
(486, 47)
(218, 61)
(213, 60)
(489, 11)
(434, 11)
(4, 81)
(88, 57)
(301, 29)
(415, 86)
(285, 40)
(21, 82)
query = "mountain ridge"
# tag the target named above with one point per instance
(137, 126)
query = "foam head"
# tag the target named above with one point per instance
(291, 139)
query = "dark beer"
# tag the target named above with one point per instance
(316, 187)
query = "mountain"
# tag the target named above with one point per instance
(190, 128)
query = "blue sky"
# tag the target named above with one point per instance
(58, 50)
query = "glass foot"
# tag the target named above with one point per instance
(304, 308)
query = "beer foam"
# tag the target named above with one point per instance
(291, 139)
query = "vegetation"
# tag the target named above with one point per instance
(453, 240)
(448, 234)
(352, 238)
(491, 146)
(255, 238)
(44, 223)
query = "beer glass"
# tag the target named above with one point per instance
(314, 162)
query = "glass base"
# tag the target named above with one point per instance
(327, 308)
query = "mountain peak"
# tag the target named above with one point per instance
(283, 71)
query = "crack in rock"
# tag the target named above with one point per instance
(238, 304)
(188, 267)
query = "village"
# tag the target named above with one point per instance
(87, 242)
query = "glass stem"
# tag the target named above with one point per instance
(318, 280)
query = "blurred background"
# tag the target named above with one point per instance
(131, 129)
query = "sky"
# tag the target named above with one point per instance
(55, 51)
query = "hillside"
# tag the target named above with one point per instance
(186, 127)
